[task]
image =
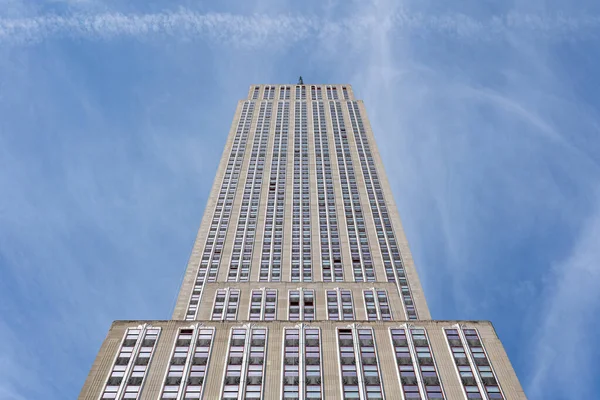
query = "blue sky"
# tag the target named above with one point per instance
(113, 115)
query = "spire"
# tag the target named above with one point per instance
(300, 81)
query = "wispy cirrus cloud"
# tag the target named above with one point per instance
(257, 29)
(563, 350)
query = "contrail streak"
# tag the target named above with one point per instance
(256, 30)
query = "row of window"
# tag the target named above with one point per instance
(359, 364)
(385, 233)
(226, 304)
(128, 372)
(362, 263)
(301, 233)
(270, 265)
(189, 362)
(474, 368)
(263, 305)
(332, 93)
(301, 304)
(241, 256)
(331, 259)
(245, 369)
(284, 92)
(269, 93)
(300, 92)
(316, 93)
(302, 374)
(211, 256)
(416, 367)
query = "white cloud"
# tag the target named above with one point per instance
(566, 335)
(258, 29)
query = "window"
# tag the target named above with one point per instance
(194, 382)
(270, 266)
(481, 363)
(470, 359)
(377, 305)
(362, 263)
(358, 355)
(331, 262)
(226, 304)
(211, 254)
(245, 357)
(416, 367)
(301, 270)
(241, 257)
(128, 372)
(387, 241)
(301, 305)
(263, 305)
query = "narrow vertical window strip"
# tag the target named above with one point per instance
(263, 305)
(312, 355)
(383, 305)
(255, 369)
(370, 306)
(200, 361)
(284, 93)
(333, 310)
(349, 377)
(308, 299)
(235, 367)
(301, 305)
(332, 93)
(270, 308)
(369, 363)
(339, 304)
(359, 244)
(427, 369)
(233, 301)
(471, 384)
(241, 258)
(346, 304)
(301, 270)
(219, 304)
(305, 198)
(139, 370)
(269, 93)
(177, 370)
(128, 373)
(300, 92)
(388, 246)
(121, 364)
(226, 304)
(481, 363)
(211, 256)
(406, 363)
(377, 305)
(270, 267)
(291, 360)
(294, 305)
(360, 371)
(329, 235)
(256, 305)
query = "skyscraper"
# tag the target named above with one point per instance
(301, 284)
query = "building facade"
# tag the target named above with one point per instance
(301, 284)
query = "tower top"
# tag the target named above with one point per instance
(300, 80)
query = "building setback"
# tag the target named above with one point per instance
(301, 284)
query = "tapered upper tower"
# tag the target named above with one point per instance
(301, 284)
